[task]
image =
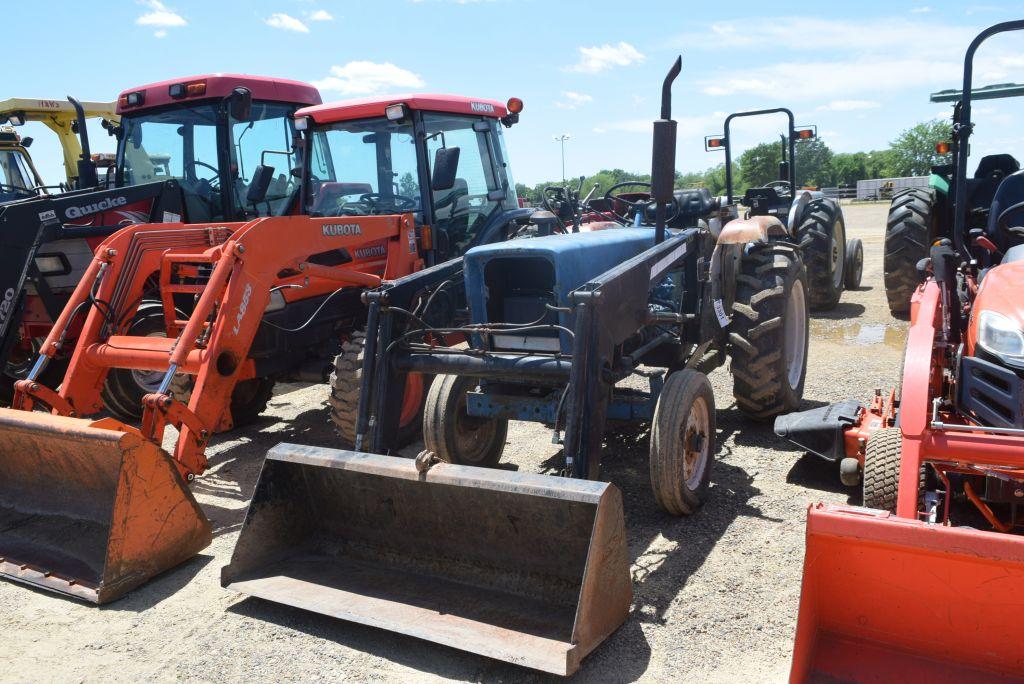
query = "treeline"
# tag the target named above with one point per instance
(911, 153)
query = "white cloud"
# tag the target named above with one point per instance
(603, 57)
(160, 16)
(848, 105)
(320, 15)
(573, 100)
(924, 9)
(368, 78)
(285, 22)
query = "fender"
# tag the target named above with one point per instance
(796, 211)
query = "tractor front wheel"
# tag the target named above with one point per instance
(125, 387)
(769, 331)
(683, 442)
(346, 381)
(822, 238)
(455, 436)
(882, 469)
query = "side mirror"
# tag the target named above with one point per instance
(261, 178)
(446, 166)
(240, 104)
(26, 142)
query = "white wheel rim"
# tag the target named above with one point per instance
(795, 341)
(696, 443)
(149, 380)
(838, 254)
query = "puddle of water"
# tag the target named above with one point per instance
(862, 335)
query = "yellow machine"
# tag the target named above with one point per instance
(61, 117)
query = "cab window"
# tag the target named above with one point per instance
(462, 211)
(266, 139)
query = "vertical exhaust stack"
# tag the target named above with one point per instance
(895, 599)
(663, 156)
(90, 509)
(529, 569)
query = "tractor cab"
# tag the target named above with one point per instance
(18, 176)
(65, 118)
(211, 134)
(441, 158)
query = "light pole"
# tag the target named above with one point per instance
(561, 139)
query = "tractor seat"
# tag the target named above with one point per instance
(694, 204)
(1008, 200)
(991, 171)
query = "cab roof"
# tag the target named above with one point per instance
(221, 85)
(39, 110)
(365, 108)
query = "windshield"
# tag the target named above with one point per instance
(364, 167)
(185, 142)
(16, 180)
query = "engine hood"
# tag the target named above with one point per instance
(1001, 291)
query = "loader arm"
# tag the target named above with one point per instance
(231, 271)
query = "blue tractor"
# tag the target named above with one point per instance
(564, 330)
(814, 222)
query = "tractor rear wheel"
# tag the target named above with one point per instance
(125, 387)
(769, 331)
(908, 232)
(882, 469)
(682, 442)
(822, 238)
(455, 436)
(346, 381)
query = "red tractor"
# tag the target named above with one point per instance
(379, 188)
(186, 152)
(925, 581)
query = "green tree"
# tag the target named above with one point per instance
(914, 148)
(408, 186)
(759, 165)
(814, 164)
(522, 190)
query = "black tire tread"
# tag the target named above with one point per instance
(666, 464)
(755, 339)
(908, 232)
(882, 469)
(814, 235)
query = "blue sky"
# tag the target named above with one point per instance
(860, 71)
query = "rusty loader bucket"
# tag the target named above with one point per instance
(89, 508)
(892, 599)
(528, 569)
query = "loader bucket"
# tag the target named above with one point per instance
(90, 509)
(893, 599)
(529, 569)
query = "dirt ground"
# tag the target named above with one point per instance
(715, 594)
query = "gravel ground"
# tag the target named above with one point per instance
(715, 594)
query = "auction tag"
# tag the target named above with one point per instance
(171, 217)
(723, 320)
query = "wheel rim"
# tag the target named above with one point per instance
(149, 380)
(838, 253)
(696, 443)
(412, 399)
(795, 342)
(21, 360)
(472, 435)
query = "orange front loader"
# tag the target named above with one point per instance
(95, 508)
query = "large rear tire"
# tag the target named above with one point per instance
(908, 233)
(346, 381)
(683, 442)
(822, 239)
(455, 436)
(124, 389)
(882, 469)
(769, 332)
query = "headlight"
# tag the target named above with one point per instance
(52, 264)
(1000, 335)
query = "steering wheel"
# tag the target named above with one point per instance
(1002, 222)
(612, 200)
(782, 185)
(216, 173)
(395, 201)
